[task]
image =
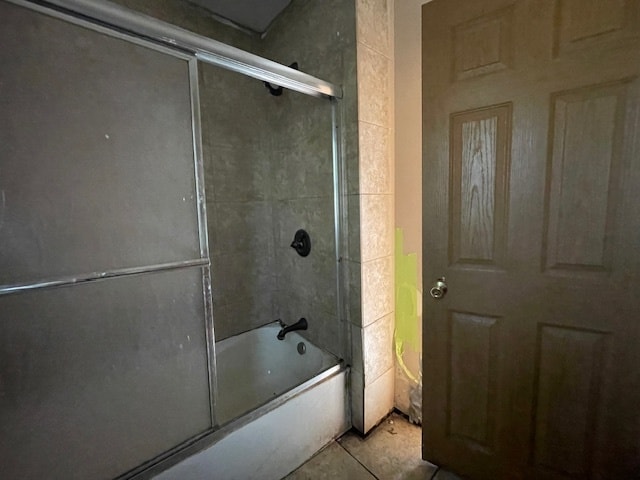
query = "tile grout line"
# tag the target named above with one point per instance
(432, 477)
(361, 464)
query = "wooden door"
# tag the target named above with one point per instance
(532, 213)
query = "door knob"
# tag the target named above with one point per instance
(440, 289)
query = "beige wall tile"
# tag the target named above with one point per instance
(375, 159)
(376, 224)
(378, 399)
(377, 289)
(373, 24)
(377, 346)
(374, 93)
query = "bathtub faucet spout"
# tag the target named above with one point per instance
(299, 325)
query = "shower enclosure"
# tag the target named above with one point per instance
(151, 186)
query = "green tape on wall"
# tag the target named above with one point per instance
(407, 332)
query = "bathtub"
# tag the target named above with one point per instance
(276, 407)
(256, 367)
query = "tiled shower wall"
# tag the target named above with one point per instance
(321, 38)
(240, 209)
(350, 44)
(268, 169)
(271, 158)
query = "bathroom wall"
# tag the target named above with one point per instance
(351, 44)
(321, 38)
(408, 166)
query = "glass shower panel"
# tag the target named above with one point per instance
(237, 143)
(268, 173)
(100, 377)
(96, 149)
(98, 179)
(302, 167)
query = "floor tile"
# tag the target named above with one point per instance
(444, 475)
(392, 451)
(331, 463)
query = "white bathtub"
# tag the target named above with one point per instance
(255, 367)
(297, 404)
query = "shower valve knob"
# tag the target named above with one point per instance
(301, 243)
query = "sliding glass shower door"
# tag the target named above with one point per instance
(105, 321)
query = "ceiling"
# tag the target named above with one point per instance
(255, 15)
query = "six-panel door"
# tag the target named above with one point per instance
(531, 184)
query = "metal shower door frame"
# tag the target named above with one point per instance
(204, 49)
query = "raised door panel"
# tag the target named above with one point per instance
(480, 142)
(482, 45)
(570, 366)
(583, 183)
(581, 24)
(472, 380)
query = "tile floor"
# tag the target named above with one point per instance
(390, 452)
